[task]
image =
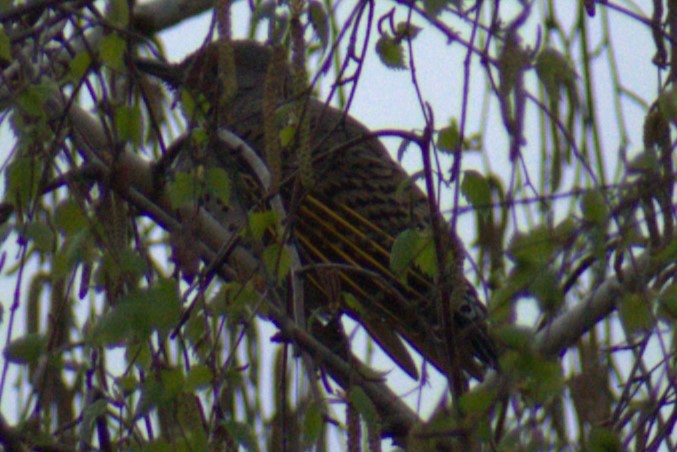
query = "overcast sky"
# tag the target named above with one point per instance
(386, 99)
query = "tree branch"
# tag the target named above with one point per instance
(137, 188)
(152, 17)
(566, 329)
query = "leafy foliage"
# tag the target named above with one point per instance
(130, 321)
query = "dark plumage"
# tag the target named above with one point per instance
(360, 202)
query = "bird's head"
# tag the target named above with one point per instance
(201, 72)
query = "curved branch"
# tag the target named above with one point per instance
(152, 17)
(397, 418)
(567, 328)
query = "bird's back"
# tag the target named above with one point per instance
(345, 221)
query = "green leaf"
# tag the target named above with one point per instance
(5, 46)
(40, 234)
(127, 384)
(151, 394)
(23, 176)
(406, 30)
(26, 349)
(545, 287)
(162, 303)
(194, 331)
(449, 137)
(199, 377)
(545, 380)
(112, 51)
(515, 337)
(413, 247)
(287, 135)
(129, 124)
(217, 183)
(317, 16)
(140, 354)
(234, 299)
(426, 260)
(188, 103)
(77, 248)
(407, 246)
(312, 423)
(533, 250)
(555, 72)
(70, 219)
(364, 405)
(352, 303)
(131, 262)
(243, 434)
(118, 13)
(260, 222)
(439, 422)
(435, 7)
(635, 313)
(193, 108)
(539, 378)
(277, 261)
(138, 314)
(390, 52)
(566, 231)
(644, 163)
(477, 402)
(667, 103)
(79, 65)
(183, 189)
(189, 416)
(656, 130)
(604, 440)
(173, 382)
(199, 138)
(127, 262)
(32, 100)
(667, 303)
(91, 412)
(502, 303)
(594, 207)
(475, 187)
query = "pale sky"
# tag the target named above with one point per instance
(386, 99)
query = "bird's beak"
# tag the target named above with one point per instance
(169, 73)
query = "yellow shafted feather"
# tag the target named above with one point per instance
(345, 220)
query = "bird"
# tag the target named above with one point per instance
(345, 222)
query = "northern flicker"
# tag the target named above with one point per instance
(345, 222)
